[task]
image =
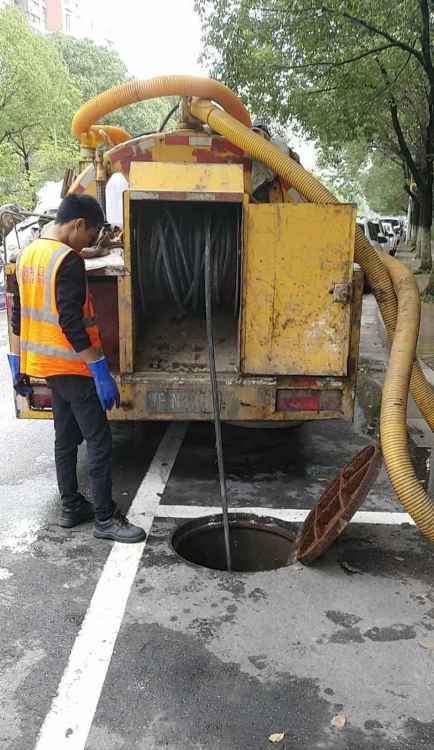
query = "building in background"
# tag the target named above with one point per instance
(64, 15)
(72, 17)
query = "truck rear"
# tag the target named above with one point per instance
(286, 293)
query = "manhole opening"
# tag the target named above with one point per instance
(256, 543)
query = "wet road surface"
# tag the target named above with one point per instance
(205, 660)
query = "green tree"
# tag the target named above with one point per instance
(342, 170)
(366, 177)
(354, 71)
(36, 101)
(95, 68)
(14, 183)
(384, 188)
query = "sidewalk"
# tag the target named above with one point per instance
(425, 344)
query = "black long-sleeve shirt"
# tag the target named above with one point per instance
(70, 297)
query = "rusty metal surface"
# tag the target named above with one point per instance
(342, 293)
(294, 258)
(338, 503)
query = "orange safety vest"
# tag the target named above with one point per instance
(44, 348)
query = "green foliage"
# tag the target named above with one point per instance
(52, 159)
(94, 68)
(334, 70)
(384, 187)
(372, 180)
(43, 81)
(289, 58)
(342, 171)
(37, 96)
(36, 104)
(15, 186)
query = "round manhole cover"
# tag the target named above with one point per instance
(256, 543)
(338, 503)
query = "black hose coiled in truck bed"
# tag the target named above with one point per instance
(170, 255)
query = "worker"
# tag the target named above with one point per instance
(55, 336)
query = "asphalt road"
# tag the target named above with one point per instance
(338, 655)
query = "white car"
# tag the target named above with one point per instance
(391, 236)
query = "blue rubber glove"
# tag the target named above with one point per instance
(106, 387)
(21, 382)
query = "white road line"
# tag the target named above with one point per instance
(293, 515)
(67, 725)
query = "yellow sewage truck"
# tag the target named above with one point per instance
(287, 266)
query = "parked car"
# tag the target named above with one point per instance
(373, 233)
(398, 227)
(391, 236)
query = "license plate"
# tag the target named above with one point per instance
(178, 402)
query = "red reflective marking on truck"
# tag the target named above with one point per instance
(298, 403)
(40, 398)
(177, 140)
(220, 144)
(297, 399)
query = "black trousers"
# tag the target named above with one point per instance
(78, 415)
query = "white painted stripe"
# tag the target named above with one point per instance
(67, 725)
(293, 515)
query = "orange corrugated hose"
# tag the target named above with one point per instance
(137, 91)
(115, 134)
(393, 427)
(396, 296)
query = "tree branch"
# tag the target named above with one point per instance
(393, 106)
(376, 30)
(425, 39)
(338, 63)
(320, 91)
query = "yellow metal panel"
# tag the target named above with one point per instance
(171, 177)
(294, 256)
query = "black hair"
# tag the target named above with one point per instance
(80, 207)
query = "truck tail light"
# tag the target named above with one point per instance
(301, 399)
(40, 400)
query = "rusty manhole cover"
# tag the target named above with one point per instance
(338, 504)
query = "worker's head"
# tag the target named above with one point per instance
(79, 220)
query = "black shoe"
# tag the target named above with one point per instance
(76, 515)
(119, 529)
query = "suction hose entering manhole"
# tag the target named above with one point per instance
(215, 395)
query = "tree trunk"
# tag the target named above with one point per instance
(418, 247)
(414, 224)
(425, 229)
(429, 289)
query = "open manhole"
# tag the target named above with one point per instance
(256, 543)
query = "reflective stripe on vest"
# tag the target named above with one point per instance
(49, 351)
(46, 316)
